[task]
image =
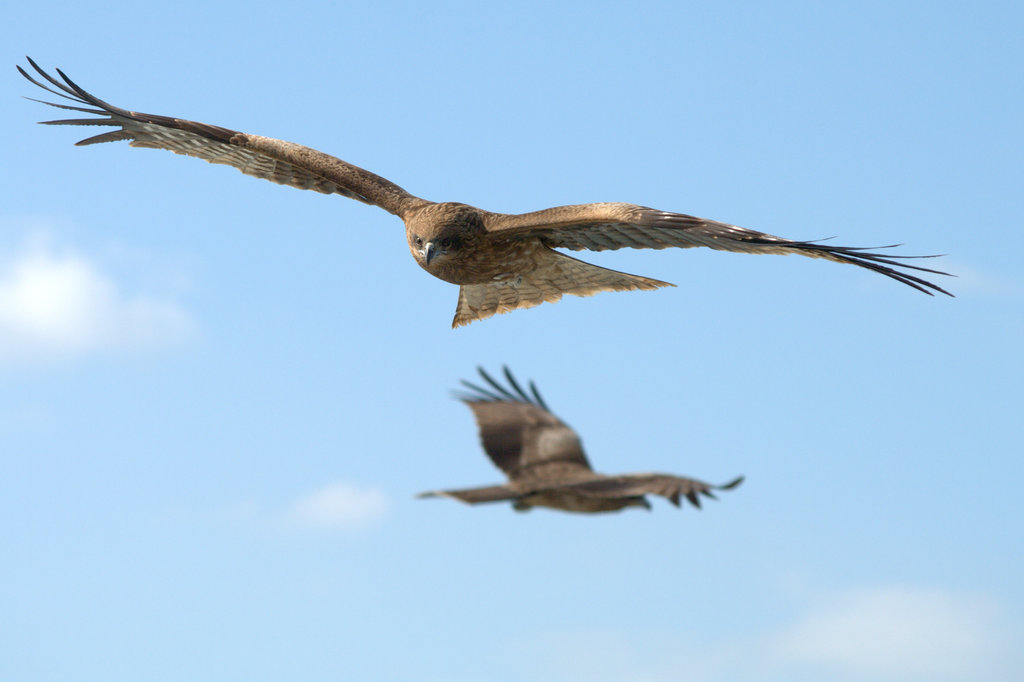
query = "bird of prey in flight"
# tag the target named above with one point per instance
(544, 461)
(500, 261)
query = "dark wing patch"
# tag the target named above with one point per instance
(282, 162)
(609, 226)
(518, 432)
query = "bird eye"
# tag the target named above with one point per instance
(446, 242)
(418, 240)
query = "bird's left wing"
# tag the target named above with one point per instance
(675, 488)
(603, 226)
(285, 163)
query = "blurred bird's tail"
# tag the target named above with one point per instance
(557, 275)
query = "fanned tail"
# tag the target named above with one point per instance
(559, 275)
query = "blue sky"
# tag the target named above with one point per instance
(218, 396)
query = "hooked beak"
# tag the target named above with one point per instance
(429, 252)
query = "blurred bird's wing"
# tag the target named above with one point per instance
(520, 435)
(674, 488)
(494, 493)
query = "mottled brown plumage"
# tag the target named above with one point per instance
(544, 461)
(501, 262)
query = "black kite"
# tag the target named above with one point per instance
(543, 459)
(500, 261)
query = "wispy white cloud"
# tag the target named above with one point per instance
(884, 633)
(340, 505)
(899, 633)
(58, 303)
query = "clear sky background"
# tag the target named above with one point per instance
(219, 396)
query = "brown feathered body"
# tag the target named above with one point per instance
(501, 262)
(545, 464)
(497, 272)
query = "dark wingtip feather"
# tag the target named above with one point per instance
(112, 136)
(484, 394)
(536, 395)
(479, 393)
(72, 91)
(65, 94)
(497, 386)
(515, 384)
(496, 392)
(883, 264)
(731, 484)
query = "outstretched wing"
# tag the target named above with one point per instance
(602, 226)
(285, 163)
(492, 493)
(675, 488)
(520, 435)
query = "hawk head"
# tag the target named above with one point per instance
(442, 236)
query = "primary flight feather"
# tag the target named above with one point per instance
(543, 458)
(500, 261)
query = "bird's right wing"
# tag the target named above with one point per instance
(674, 488)
(493, 493)
(285, 163)
(520, 435)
